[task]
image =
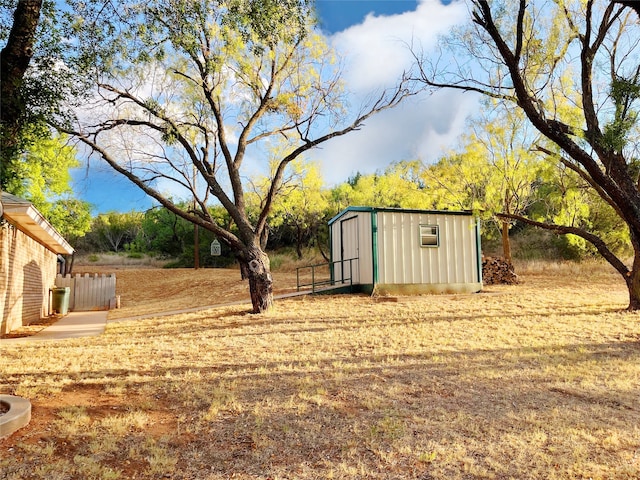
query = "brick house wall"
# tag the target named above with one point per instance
(27, 271)
(29, 248)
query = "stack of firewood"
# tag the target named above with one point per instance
(497, 270)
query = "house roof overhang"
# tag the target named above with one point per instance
(25, 217)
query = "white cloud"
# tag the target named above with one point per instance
(377, 49)
(420, 129)
(375, 53)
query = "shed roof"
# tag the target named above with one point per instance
(400, 210)
(23, 215)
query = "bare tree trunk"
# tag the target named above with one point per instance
(325, 255)
(506, 242)
(15, 58)
(260, 280)
(14, 61)
(633, 285)
(68, 266)
(196, 247)
(244, 267)
(632, 277)
(299, 242)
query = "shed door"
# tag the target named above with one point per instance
(349, 250)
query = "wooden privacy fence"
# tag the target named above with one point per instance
(89, 292)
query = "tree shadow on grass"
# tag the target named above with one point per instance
(291, 418)
(235, 321)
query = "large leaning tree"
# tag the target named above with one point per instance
(573, 69)
(193, 98)
(15, 57)
(32, 86)
(34, 163)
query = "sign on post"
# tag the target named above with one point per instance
(216, 251)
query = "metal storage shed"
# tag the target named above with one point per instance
(391, 251)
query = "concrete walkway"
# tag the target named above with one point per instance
(74, 325)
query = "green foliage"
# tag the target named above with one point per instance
(306, 206)
(300, 210)
(494, 170)
(553, 61)
(530, 243)
(114, 36)
(71, 217)
(112, 231)
(271, 20)
(157, 232)
(41, 175)
(399, 186)
(162, 231)
(208, 81)
(624, 93)
(564, 198)
(276, 261)
(42, 171)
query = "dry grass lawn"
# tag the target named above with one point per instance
(539, 380)
(145, 291)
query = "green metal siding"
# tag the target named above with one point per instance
(374, 245)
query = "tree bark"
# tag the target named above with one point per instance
(299, 242)
(633, 285)
(69, 265)
(260, 280)
(14, 61)
(604, 167)
(632, 278)
(244, 267)
(631, 4)
(506, 243)
(211, 148)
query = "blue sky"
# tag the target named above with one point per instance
(371, 36)
(337, 15)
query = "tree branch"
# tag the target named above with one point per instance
(594, 240)
(584, 175)
(384, 102)
(144, 186)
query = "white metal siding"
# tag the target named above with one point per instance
(365, 251)
(351, 237)
(401, 259)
